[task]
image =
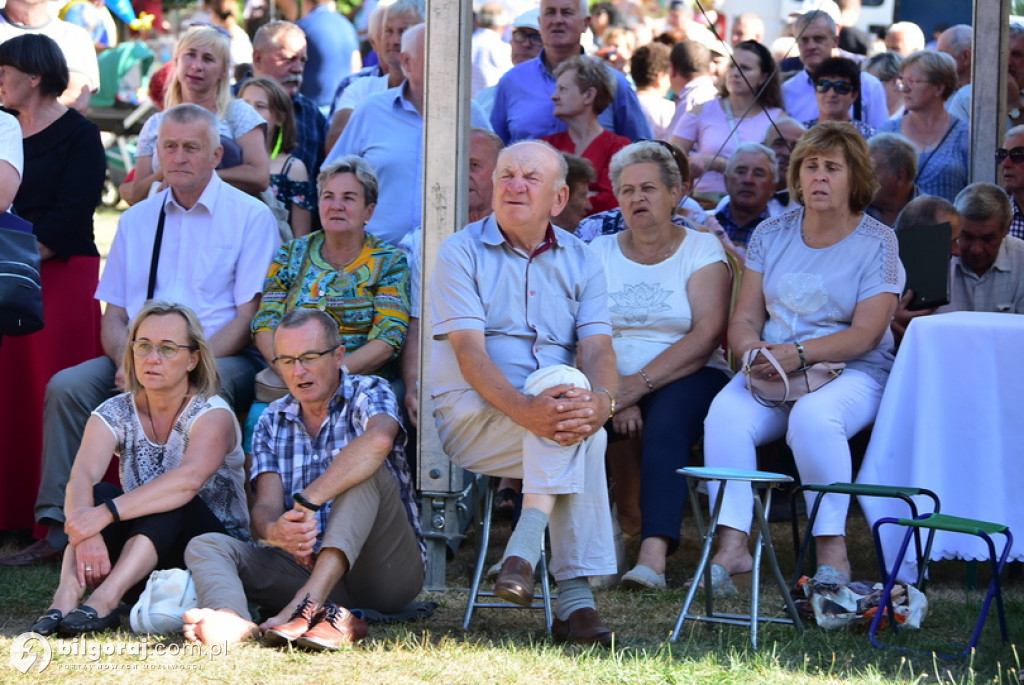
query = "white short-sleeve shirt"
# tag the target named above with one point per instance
(12, 149)
(649, 304)
(213, 257)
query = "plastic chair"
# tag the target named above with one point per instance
(762, 483)
(906, 494)
(483, 539)
(952, 524)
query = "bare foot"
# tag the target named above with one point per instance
(733, 554)
(217, 626)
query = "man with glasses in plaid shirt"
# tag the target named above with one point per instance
(334, 511)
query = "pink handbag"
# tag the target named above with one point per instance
(787, 387)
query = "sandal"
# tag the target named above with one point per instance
(830, 576)
(721, 581)
(642, 577)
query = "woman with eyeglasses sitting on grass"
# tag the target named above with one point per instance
(181, 473)
(837, 88)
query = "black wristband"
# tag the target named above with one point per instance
(303, 502)
(113, 509)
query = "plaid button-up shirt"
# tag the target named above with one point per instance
(282, 445)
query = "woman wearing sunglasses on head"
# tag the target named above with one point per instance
(837, 88)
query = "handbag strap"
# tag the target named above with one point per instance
(748, 359)
(931, 154)
(151, 288)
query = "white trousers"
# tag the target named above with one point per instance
(817, 428)
(480, 438)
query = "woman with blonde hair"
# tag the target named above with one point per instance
(181, 472)
(201, 76)
(928, 79)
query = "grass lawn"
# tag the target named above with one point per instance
(510, 646)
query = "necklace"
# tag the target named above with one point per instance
(658, 256)
(149, 415)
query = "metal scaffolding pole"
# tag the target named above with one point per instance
(445, 189)
(988, 86)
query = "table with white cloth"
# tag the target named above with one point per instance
(952, 420)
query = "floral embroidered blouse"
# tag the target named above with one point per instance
(369, 299)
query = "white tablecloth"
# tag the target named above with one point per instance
(952, 420)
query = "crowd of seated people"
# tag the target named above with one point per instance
(622, 247)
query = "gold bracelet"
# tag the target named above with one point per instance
(647, 380)
(611, 400)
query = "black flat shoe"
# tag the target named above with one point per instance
(48, 623)
(84, 619)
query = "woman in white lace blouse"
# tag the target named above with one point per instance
(181, 471)
(820, 284)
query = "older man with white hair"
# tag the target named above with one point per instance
(516, 304)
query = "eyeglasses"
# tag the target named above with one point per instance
(841, 87)
(167, 350)
(521, 36)
(1016, 155)
(306, 358)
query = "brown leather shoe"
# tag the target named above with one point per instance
(584, 627)
(515, 581)
(305, 615)
(336, 628)
(39, 552)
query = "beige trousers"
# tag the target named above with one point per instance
(367, 523)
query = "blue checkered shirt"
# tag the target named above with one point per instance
(311, 129)
(739, 235)
(282, 445)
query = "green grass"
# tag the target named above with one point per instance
(512, 646)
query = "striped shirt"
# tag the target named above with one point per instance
(281, 444)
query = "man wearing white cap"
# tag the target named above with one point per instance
(526, 44)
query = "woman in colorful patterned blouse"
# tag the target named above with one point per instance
(288, 174)
(361, 281)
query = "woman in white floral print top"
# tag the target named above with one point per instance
(668, 289)
(181, 470)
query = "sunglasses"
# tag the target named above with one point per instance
(1016, 155)
(841, 87)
